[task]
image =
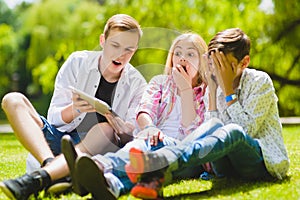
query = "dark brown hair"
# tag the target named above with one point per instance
(232, 40)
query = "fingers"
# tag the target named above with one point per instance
(160, 136)
(220, 61)
(181, 79)
(119, 126)
(81, 105)
(156, 138)
(112, 122)
(182, 69)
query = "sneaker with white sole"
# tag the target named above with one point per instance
(23, 187)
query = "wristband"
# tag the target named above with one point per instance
(230, 98)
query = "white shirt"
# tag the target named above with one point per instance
(81, 71)
(257, 112)
(170, 127)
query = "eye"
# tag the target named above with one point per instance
(191, 54)
(129, 50)
(177, 53)
(115, 45)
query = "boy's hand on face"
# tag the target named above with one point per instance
(225, 72)
(209, 76)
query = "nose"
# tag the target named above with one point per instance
(182, 59)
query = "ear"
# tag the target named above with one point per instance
(245, 62)
(102, 40)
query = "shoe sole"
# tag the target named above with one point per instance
(92, 179)
(70, 154)
(143, 193)
(7, 191)
(59, 188)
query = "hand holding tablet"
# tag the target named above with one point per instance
(100, 106)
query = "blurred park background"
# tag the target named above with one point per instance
(37, 36)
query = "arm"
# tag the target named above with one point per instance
(149, 130)
(184, 86)
(253, 108)
(60, 110)
(148, 111)
(144, 120)
(126, 101)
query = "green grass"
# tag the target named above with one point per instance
(13, 156)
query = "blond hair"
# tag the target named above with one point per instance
(122, 22)
(199, 44)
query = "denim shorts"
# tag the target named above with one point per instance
(53, 136)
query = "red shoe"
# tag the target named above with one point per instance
(144, 163)
(136, 166)
(148, 190)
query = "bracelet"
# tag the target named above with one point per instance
(230, 98)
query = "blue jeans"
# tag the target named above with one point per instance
(115, 162)
(54, 136)
(230, 150)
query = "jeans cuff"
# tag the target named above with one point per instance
(105, 162)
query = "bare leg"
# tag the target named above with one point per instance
(26, 123)
(99, 140)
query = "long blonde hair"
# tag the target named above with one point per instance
(199, 44)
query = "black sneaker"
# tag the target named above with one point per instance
(92, 179)
(70, 154)
(26, 185)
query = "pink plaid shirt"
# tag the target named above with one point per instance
(159, 99)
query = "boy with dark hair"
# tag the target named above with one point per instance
(241, 135)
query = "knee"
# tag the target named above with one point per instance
(235, 131)
(11, 100)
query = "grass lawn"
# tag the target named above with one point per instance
(13, 156)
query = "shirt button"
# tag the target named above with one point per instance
(79, 119)
(95, 86)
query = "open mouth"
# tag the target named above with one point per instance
(184, 67)
(116, 62)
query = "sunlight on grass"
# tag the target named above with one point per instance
(13, 156)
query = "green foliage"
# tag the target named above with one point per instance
(13, 157)
(44, 33)
(8, 48)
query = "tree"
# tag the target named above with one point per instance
(49, 30)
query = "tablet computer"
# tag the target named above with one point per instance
(100, 106)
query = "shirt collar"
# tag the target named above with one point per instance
(243, 77)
